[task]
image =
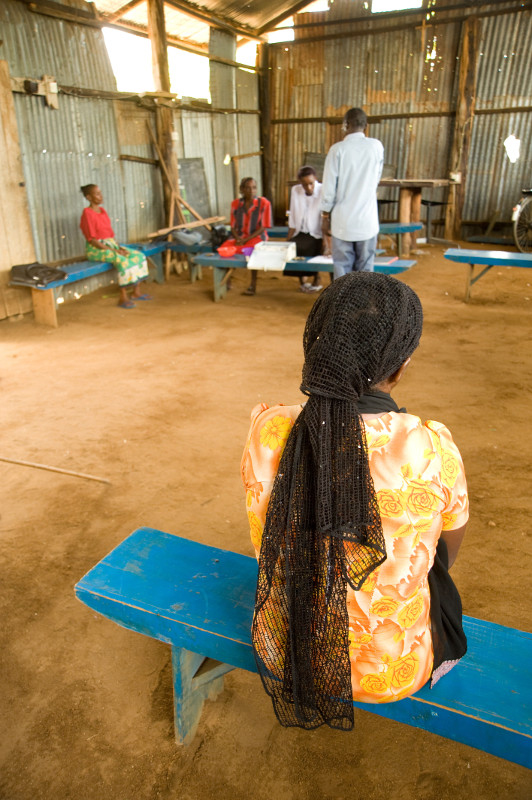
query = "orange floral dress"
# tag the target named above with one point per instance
(421, 489)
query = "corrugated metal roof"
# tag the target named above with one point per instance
(33, 45)
(178, 24)
(254, 14)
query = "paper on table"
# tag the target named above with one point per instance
(320, 260)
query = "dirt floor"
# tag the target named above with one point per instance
(157, 400)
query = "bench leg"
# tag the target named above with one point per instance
(219, 286)
(196, 679)
(469, 277)
(44, 310)
(156, 262)
(194, 270)
(471, 280)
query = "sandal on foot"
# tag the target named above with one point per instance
(142, 297)
(249, 292)
(127, 304)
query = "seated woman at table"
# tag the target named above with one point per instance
(131, 265)
(304, 221)
(251, 216)
(356, 510)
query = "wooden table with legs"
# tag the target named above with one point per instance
(410, 201)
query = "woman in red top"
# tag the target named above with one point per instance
(101, 245)
(250, 217)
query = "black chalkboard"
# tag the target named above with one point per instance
(316, 160)
(193, 187)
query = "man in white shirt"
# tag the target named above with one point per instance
(304, 221)
(351, 176)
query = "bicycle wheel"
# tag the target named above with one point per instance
(523, 225)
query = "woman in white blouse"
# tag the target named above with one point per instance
(304, 221)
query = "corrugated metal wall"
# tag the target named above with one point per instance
(83, 141)
(504, 81)
(405, 66)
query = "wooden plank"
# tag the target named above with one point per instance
(159, 50)
(463, 124)
(15, 227)
(196, 224)
(265, 122)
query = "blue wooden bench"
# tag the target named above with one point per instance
(200, 600)
(82, 278)
(221, 268)
(385, 228)
(486, 259)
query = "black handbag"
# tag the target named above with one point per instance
(219, 235)
(38, 275)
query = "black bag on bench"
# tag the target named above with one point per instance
(219, 235)
(38, 275)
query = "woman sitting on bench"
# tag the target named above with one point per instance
(356, 510)
(130, 264)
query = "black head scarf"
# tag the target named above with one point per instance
(323, 528)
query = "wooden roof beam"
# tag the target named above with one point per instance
(272, 24)
(121, 11)
(212, 21)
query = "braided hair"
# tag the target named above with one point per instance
(323, 529)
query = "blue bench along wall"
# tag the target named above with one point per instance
(82, 278)
(385, 228)
(200, 600)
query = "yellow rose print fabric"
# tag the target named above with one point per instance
(421, 490)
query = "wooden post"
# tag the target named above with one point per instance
(163, 114)
(17, 237)
(265, 122)
(465, 112)
(159, 53)
(236, 176)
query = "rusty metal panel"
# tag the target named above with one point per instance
(34, 45)
(290, 142)
(504, 67)
(493, 182)
(505, 62)
(280, 77)
(428, 144)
